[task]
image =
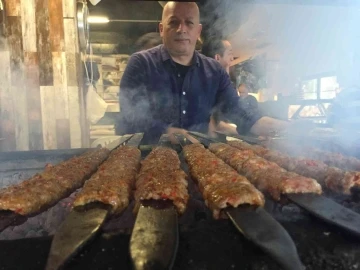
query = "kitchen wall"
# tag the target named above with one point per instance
(41, 92)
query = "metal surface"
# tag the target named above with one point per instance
(222, 137)
(135, 140)
(248, 139)
(118, 142)
(154, 240)
(328, 210)
(78, 228)
(83, 25)
(264, 231)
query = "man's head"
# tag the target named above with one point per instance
(243, 90)
(180, 27)
(148, 41)
(220, 50)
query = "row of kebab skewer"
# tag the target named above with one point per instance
(228, 176)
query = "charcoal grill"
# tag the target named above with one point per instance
(204, 243)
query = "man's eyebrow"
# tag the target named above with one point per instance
(172, 17)
(187, 18)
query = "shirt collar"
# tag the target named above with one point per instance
(165, 56)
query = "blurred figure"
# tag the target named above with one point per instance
(220, 50)
(344, 113)
(248, 101)
(145, 42)
(148, 41)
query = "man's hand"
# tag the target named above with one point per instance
(172, 131)
(221, 127)
(212, 128)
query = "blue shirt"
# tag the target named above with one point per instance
(153, 96)
(345, 110)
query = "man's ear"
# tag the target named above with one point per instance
(161, 28)
(199, 30)
(217, 57)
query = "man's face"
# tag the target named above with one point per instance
(242, 91)
(180, 28)
(226, 59)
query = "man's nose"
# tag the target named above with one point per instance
(182, 28)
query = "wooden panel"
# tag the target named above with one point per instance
(17, 90)
(42, 42)
(56, 25)
(14, 32)
(71, 39)
(7, 122)
(58, 68)
(12, 7)
(28, 25)
(69, 10)
(32, 83)
(62, 103)
(63, 133)
(21, 117)
(74, 112)
(71, 69)
(48, 100)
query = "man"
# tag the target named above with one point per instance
(220, 50)
(345, 110)
(172, 88)
(249, 102)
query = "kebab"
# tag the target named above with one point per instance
(113, 182)
(161, 194)
(220, 185)
(329, 158)
(265, 175)
(48, 187)
(330, 177)
(160, 178)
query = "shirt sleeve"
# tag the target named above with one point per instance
(135, 111)
(229, 103)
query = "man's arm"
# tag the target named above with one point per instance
(246, 121)
(253, 102)
(136, 112)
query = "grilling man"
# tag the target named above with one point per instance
(221, 51)
(172, 88)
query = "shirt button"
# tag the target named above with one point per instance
(184, 93)
(179, 75)
(184, 112)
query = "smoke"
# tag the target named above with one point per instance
(222, 18)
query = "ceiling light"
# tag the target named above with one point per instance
(93, 19)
